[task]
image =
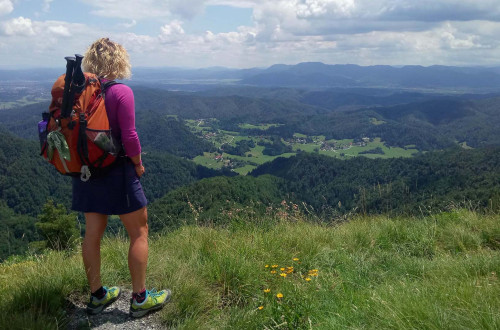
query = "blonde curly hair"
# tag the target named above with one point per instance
(107, 59)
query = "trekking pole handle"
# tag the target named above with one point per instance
(78, 81)
(70, 64)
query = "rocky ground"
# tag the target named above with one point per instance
(115, 316)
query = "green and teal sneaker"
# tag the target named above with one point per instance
(154, 301)
(95, 306)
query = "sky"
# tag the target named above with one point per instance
(254, 33)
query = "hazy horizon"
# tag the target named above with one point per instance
(165, 67)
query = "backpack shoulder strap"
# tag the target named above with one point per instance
(108, 84)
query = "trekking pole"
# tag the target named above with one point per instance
(70, 64)
(68, 108)
(78, 82)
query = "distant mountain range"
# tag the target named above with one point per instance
(304, 75)
(316, 74)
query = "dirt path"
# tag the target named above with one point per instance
(115, 316)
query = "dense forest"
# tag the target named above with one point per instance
(433, 180)
(332, 188)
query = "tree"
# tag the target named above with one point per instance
(58, 227)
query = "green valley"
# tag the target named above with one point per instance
(246, 161)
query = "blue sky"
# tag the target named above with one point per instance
(249, 33)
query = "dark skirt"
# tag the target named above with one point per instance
(117, 192)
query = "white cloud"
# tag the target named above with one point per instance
(6, 7)
(171, 32)
(319, 8)
(18, 27)
(33, 43)
(59, 30)
(129, 25)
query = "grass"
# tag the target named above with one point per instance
(245, 169)
(376, 122)
(389, 152)
(438, 272)
(208, 160)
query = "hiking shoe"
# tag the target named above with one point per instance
(95, 306)
(154, 301)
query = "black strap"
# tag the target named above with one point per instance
(82, 140)
(106, 85)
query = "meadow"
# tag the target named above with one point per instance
(255, 157)
(288, 271)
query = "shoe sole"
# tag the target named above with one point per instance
(98, 310)
(141, 313)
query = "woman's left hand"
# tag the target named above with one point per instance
(139, 169)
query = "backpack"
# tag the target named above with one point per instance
(75, 134)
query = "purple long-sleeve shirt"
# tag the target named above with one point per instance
(120, 106)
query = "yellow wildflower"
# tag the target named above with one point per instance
(308, 279)
(274, 266)
(282, 268)
(260, 308)
(283, 274)
(267, 266)
(267, 290)
(279, 295)
(273, 272)
(295, 259)
(313, 272)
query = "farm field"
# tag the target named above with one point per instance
(25, 100)
(255, 156)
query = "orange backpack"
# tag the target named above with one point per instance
(78, 140)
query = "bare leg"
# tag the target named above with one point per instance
(136, 224)
(95, 224)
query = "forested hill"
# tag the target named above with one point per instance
(236, 108)
(400, 119)
(428, 124)
(26, 182)
(26, 179)
(162, 133)
(329, 187)
(435, 179)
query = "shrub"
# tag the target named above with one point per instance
(58, 227)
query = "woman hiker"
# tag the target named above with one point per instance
(118, 192)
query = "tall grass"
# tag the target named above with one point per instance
(437, 272)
